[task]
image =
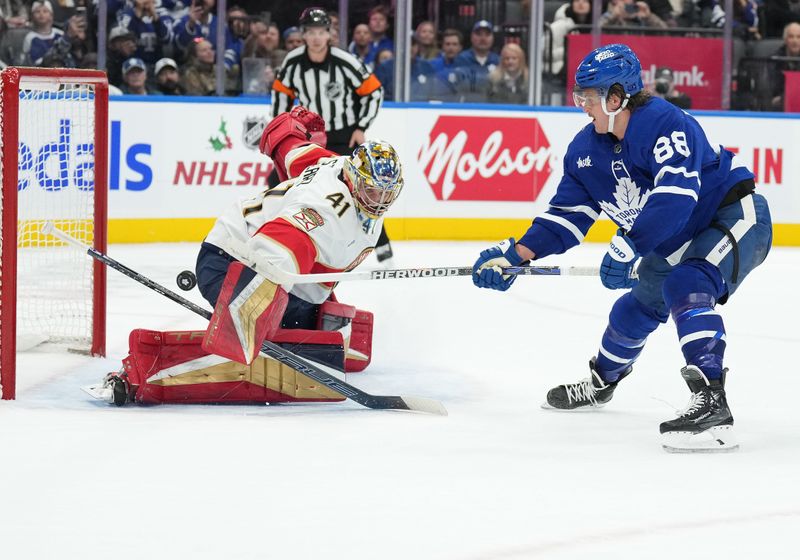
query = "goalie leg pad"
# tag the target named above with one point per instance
(172, 367)
(356, 328)
(359, 355)
(324, 347)
(249, 309)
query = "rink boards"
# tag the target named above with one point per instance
(472, 172)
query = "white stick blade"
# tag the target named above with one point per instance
(421, 404)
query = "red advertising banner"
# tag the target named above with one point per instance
(485, 158)
(791, 95)
(696, 63)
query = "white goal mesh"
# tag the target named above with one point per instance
(55, 182)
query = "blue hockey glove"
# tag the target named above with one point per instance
(618, 267)
(486, 270)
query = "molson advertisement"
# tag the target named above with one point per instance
(475, 173)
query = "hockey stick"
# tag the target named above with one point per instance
(436, 272)
(279, 276)
(418, 404)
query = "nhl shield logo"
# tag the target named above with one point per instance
(252, 130)
(334, 90)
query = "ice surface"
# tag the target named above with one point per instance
(498, 478)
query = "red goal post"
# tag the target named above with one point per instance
(54, 163)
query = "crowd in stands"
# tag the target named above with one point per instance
(168, 46)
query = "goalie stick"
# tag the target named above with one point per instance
(418, 404)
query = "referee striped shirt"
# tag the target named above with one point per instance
(340, 89)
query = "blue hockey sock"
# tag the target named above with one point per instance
(617, 352)
(691, 293)
(629, 324)
(701, 333)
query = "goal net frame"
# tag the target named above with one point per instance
(13, 82)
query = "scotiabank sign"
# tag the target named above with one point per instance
(485, 158)
(696, 63)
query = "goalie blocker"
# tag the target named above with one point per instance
(222, 365)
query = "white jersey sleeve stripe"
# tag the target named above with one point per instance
(581, 208)
(674, 190)
(676, 171)
(566, 224)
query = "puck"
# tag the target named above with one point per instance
(186, 280)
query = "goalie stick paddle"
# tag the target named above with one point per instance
(418, 404)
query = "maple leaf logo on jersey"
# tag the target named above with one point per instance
(628, 200)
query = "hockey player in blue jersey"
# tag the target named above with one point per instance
(687, 214)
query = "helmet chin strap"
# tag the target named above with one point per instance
(611, 116)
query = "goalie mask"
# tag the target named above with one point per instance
(375, 177)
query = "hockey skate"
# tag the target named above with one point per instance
(706, 424)
(114, 388)
(592, 392)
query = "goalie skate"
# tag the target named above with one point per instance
(114, 388)
(706, 424)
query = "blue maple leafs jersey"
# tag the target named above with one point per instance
(662, 183)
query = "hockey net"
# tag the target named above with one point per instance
(54, 130)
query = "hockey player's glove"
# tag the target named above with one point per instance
(315, 125)
(486, 272)
(618, 267)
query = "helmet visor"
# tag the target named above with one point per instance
(585, 98)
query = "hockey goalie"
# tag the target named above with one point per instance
(325, 216)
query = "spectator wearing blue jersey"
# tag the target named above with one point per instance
(475, 63)
(43, 35)
(444, 66)
(152, 29)
(361, 46)
(422, 74)
(378, 28)
(691, 229)
(201, 23)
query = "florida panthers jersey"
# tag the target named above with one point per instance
(662, 183)
(307, 224)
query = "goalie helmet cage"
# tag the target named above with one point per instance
(54, 133)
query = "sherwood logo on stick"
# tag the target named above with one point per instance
(414, 273)
(486, 158)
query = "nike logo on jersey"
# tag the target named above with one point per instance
(584, 162)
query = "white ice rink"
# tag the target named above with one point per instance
(498, 479)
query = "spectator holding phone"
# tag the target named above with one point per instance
(630, 13)
(200, 23)
(153, 30)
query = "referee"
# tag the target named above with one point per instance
(334, 84)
